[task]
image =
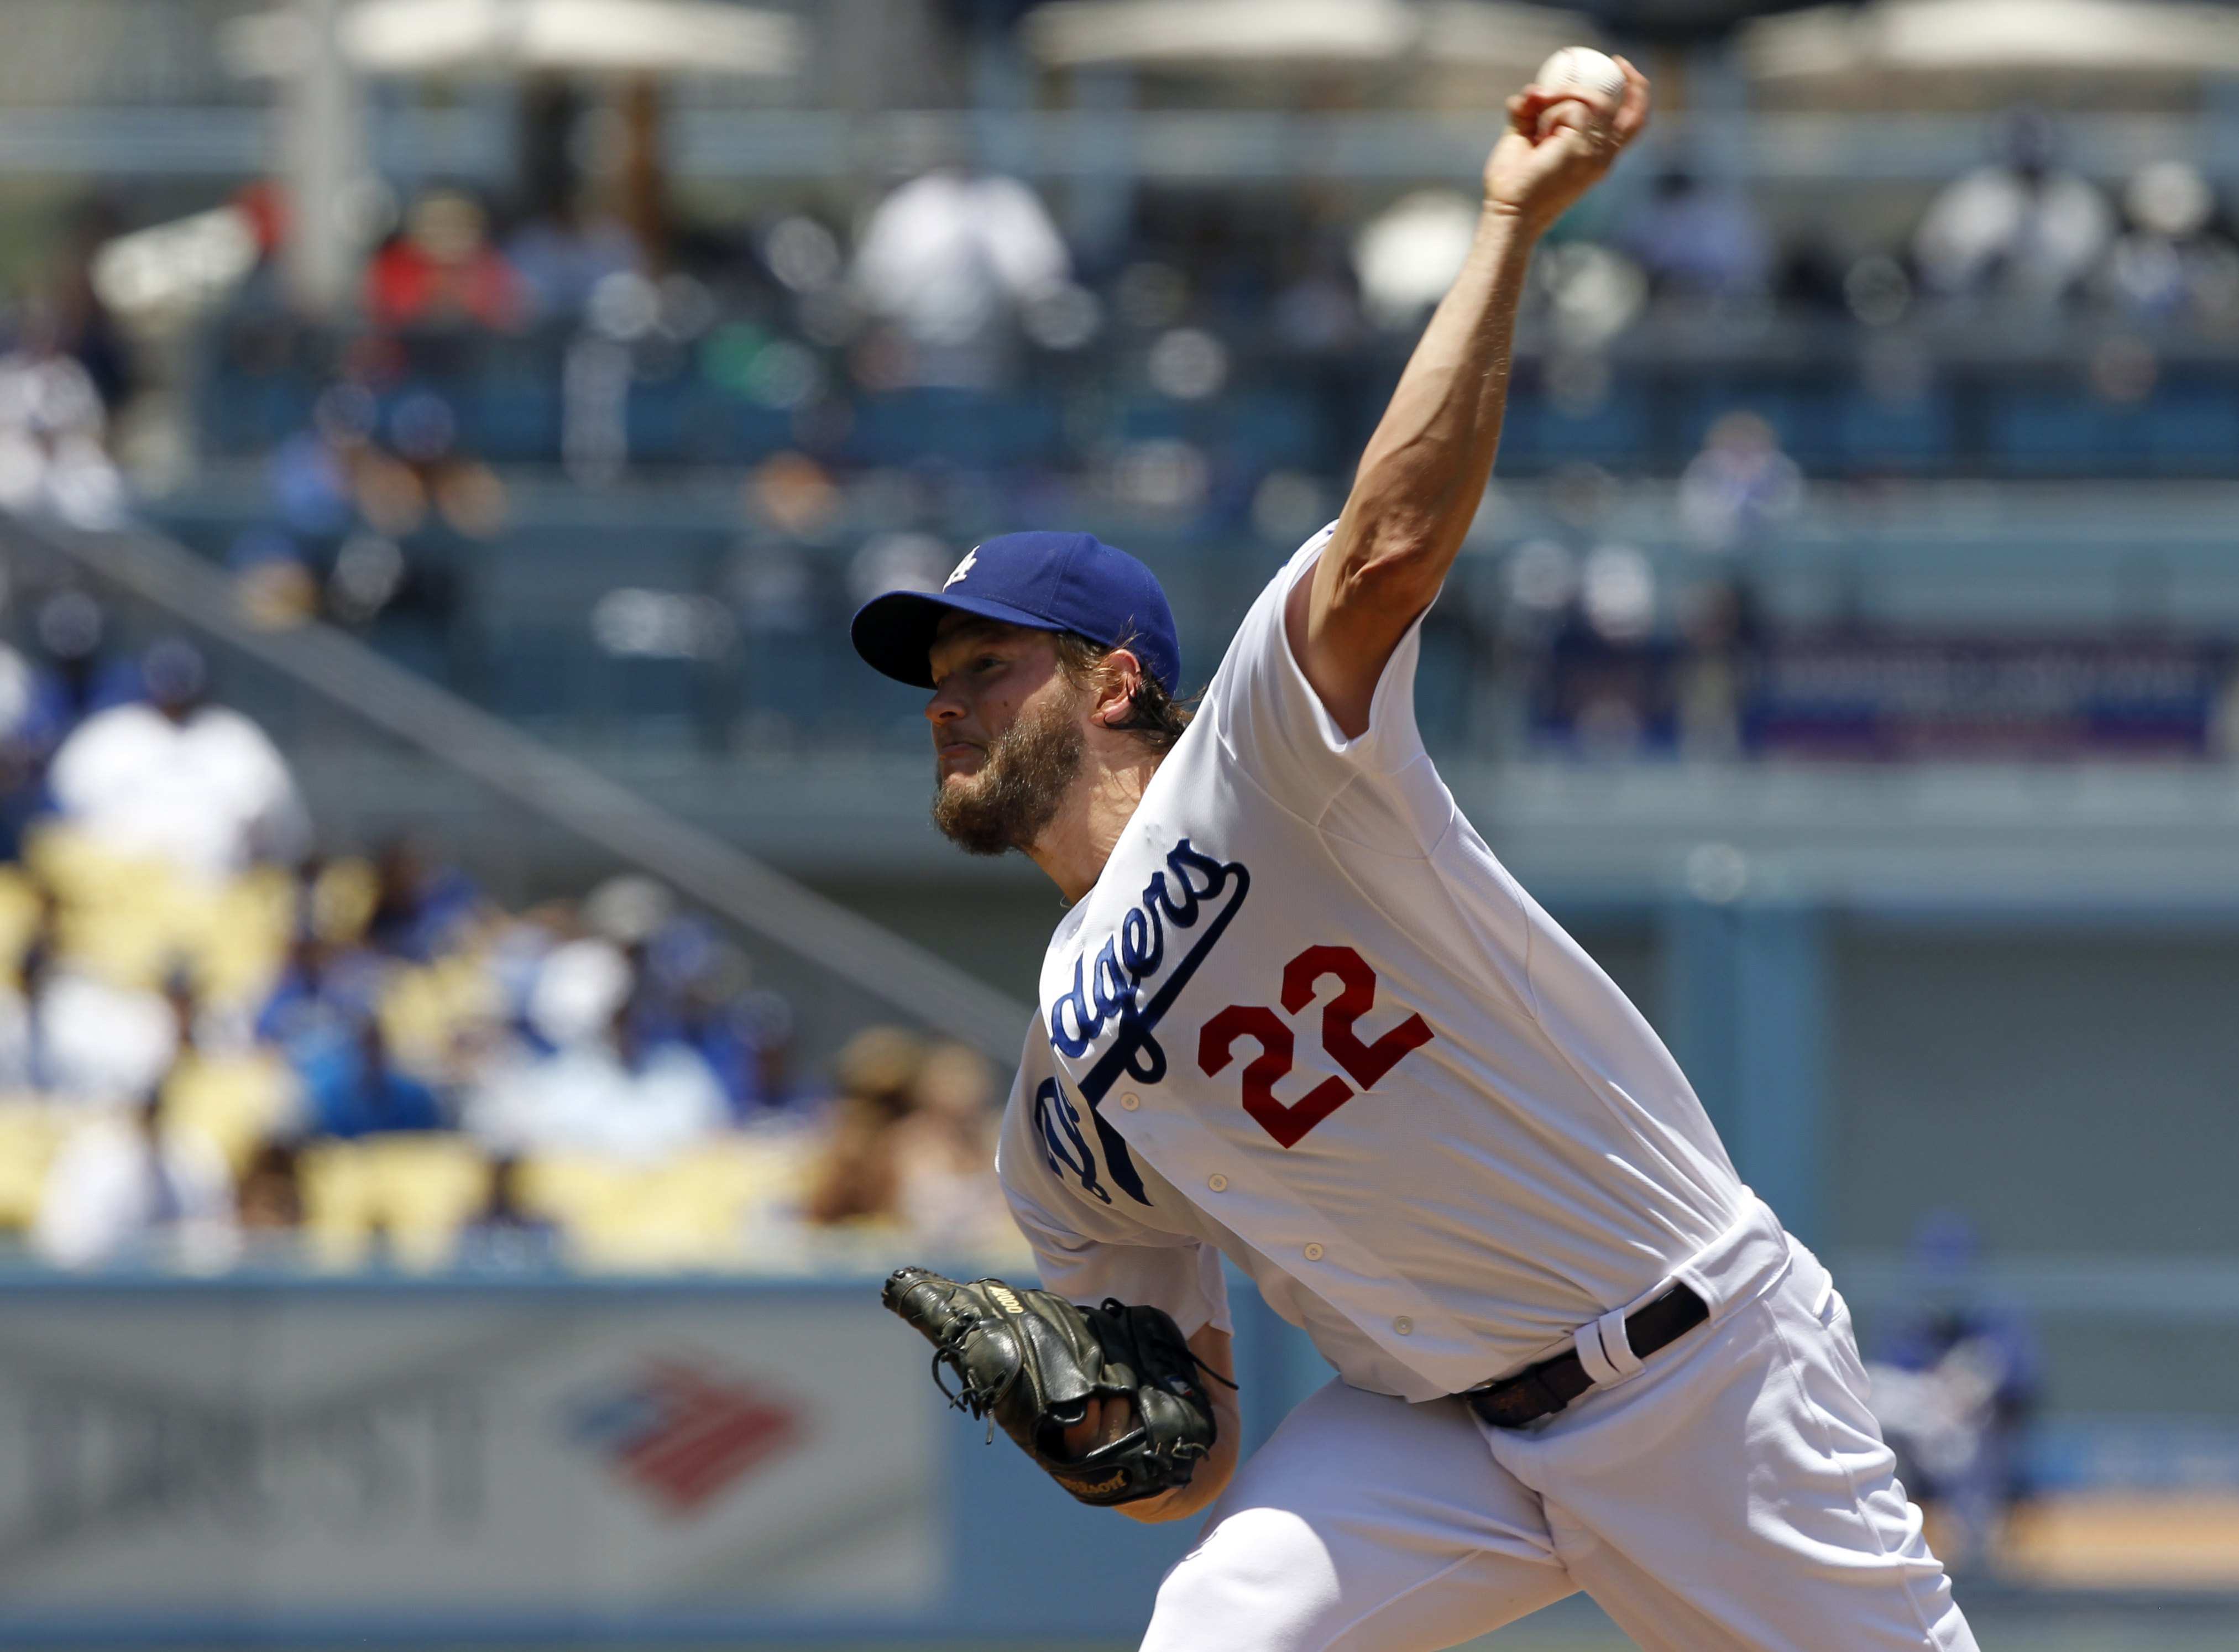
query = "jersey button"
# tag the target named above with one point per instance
(1131, 1101)
(1314, 1253)
(1217, 1182)
(1404, 1325)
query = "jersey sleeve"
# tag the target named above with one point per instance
(1086, 1250)
(1181, 1274)
(1275, 726)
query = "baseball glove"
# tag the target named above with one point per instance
(1031, 1362)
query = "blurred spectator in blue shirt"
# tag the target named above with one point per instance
(75, 680)
(1700, 244)
(43, 701)
(562, 261)
(323, 993)
(1954, 1389)
(561, 249)
(353, 1090)
(423, 904)
(505, 1235)
(1740, 487)
(748, 1042)
(310, 474)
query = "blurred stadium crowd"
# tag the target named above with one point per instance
(536, 335)
(953, 361)
(1229, 360)
(216, 1050)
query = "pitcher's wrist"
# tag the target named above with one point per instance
(1511, 228)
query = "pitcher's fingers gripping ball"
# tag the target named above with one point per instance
(1034, 1362)
(1602, 99)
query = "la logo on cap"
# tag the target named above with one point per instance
(971, 558)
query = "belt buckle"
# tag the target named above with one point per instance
(1519, 1401)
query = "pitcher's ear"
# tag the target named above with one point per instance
(1119, 674)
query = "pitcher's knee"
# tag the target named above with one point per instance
(1260, 1581)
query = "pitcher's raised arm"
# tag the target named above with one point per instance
(1425, 468)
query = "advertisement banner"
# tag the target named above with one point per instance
(477, 1455)
(1881, 697)
(1886, 696)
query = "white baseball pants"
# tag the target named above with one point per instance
(1732, 1493)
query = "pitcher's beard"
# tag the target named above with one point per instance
(1019, 789)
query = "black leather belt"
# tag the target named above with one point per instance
(1542, 1389)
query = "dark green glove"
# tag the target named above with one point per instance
(1031, 1362)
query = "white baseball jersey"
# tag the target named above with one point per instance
(1306, 1018)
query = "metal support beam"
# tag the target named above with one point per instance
(1747, 990)
(321, 155)
(1781, 1093)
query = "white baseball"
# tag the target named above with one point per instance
(1581, 66)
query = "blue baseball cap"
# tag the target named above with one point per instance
(1050, 581)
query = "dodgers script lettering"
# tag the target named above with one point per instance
(1126, 986)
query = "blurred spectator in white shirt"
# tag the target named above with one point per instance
(615, 1095)
(947, 258)
(52, 424)
(579, 987)
(2170, 264)
(94, 1042)
(176, 779)
(121, 1181)
(2018, 227)
(75, 1040)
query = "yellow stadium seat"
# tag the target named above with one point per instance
(416, 1190)
(134, 922)
(28, 1135)
(237, 1103)
(690, 1211)
(251, 921)
(425, 1010)
(343, 900)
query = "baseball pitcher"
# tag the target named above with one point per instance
(1297, 1014)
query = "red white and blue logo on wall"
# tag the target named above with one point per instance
(681, 1432)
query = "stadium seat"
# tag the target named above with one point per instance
(415, 1191)
(28, 1135)
(695, 1211)
(237, 1102)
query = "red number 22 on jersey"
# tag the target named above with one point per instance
(1364, 1063)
